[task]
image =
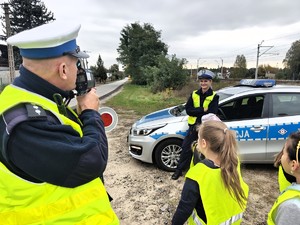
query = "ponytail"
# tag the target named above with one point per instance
(222, 141)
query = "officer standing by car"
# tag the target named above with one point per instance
(201, 102)
(51, 158)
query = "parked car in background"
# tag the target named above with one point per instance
(262, 113)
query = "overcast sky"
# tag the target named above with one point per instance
(206, 32)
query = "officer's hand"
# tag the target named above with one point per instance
(89, 100)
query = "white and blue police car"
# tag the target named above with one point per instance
(262, 113)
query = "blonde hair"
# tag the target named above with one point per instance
(222, 142)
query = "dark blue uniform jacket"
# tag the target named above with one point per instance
(199, 111)
(43, 150)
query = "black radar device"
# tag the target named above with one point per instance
(85, 80)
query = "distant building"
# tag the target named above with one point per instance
(270, 75)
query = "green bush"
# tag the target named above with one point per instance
(169, 74)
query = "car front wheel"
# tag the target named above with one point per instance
(167, 154)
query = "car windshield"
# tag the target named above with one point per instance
(230, 91)
(178, 110)
(223, 95)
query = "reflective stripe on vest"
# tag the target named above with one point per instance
(287, 194)
(196, 102)
(233, 219)
(196, 219)
(220, 207)
(49, 204)
(23, 202)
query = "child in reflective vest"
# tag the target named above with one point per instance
(286, 209)
(214, 191)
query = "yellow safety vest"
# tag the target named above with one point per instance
(287, 194)
(196, 102)
(12, 96)
(27, 203)
(282, 181)
(219, 205)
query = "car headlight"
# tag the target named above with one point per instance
(146, 130)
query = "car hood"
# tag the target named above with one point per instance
(159, 117)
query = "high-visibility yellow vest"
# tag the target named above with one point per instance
(219, 205)
(13, 95)
(196, 102)
(282, 181)
(26, 203)
(287, 194)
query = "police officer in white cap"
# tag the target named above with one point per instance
(201, 102)
(51, 158)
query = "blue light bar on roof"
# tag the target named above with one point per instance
(258, 82)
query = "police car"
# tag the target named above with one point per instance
(262, 113)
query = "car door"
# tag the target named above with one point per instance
(284, 119)
(244, 115)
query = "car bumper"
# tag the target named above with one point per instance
(141, 147)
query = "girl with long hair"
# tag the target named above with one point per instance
(214, 191)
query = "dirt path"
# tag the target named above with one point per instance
(146, 195)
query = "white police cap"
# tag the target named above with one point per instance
(48, 41)
(206, 74)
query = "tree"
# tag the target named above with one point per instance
(99, 71)
(251, 73)
(292, 59)
(240, 67)
(115, 73)
(169, 74)
(24, 15)
(27, 14)
(140, 46)
(284, 74)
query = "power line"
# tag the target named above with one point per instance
(280, 48)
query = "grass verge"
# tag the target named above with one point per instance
(142, 101)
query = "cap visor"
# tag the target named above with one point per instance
(79, 54)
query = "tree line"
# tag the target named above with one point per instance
(143, 54)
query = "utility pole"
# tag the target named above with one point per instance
(218, 63)
(197, 65)
(258, 55)
(222, 67)
(10, 52)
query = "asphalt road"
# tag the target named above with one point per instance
(104, 90)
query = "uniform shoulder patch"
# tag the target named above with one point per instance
(35, 112)
(23, 113)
